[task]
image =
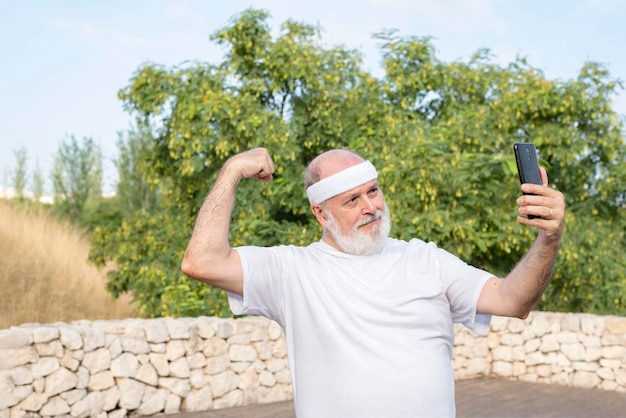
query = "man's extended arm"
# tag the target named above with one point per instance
(208, 256)
(519, 292)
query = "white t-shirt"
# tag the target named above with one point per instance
(367, 336)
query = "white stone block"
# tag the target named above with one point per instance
(539, 326)
(275, 331)
(152, 402)
(156, 332)
(197, 379)
(131, 393)
(502, 353)
(160, 363)
(606, 374)
(480, 348)
(147, 374)
(52, 349)
(224, 329)
(68, 361)
(196, 361)
(15, 338)
(45, 334)
(592, 325)
(273, 394)
(83, 378)
(18, 376)
(239, 352)
(206, 330)
(259, 334)
(198, 400)
(60, 381)
(276, 364)
(178, 330)
(248, 379)
(242, 339)
(54, 407)
(111, 398)
(498, 323)
(180, 387)
(231, 399)
(223, 383)
(135, 346)
(574, 352)
(70, 338)
(179, 368)
(33, 402)
(172, 404)
(126, 365)
(267, 379)
(512, 339)
(93, 338)
(74, 395)
(544, 370)
(535, 358)
(90, 406)
(98, 360)
(614, 352)
(115, 347)
(549, 343)
(585, 380)
(502, 368)
(101, 381)
(175, 349)
(239, 366)
(280, 349)
(283, 376)
(14, 357)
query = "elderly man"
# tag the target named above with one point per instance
(367, 318)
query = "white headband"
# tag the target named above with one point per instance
(341, 182)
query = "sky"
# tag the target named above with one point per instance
(64, 61)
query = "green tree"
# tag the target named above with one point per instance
(134, 190)
(77, 175)
(440, 133)
(19, 175)
(38, 182)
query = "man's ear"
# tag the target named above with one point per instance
(319, 214)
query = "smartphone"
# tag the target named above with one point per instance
(527, 164)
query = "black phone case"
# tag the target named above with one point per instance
(527, 164)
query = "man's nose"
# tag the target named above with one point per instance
(369, 207)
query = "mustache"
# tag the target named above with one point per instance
(370, 218)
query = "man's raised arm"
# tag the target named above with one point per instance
(517, 294)
(209, 257)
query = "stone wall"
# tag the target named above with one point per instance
(567, 349)
(144, 367)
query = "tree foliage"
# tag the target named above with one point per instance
(77, 175)
(19, 174)
(440, 134)
(134, 190)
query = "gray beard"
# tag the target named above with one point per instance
(357, 242)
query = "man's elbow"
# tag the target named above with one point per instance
(188, 267)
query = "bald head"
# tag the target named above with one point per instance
(329, 163)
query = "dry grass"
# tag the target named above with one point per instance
(45, 275)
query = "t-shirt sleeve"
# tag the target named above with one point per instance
(263, 284)
(463, 284)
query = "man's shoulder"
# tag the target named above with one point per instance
(413, 243)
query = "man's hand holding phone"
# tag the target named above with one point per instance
(540, 206)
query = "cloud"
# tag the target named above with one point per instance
(182, 10)
(91, 33)
(445, 15)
